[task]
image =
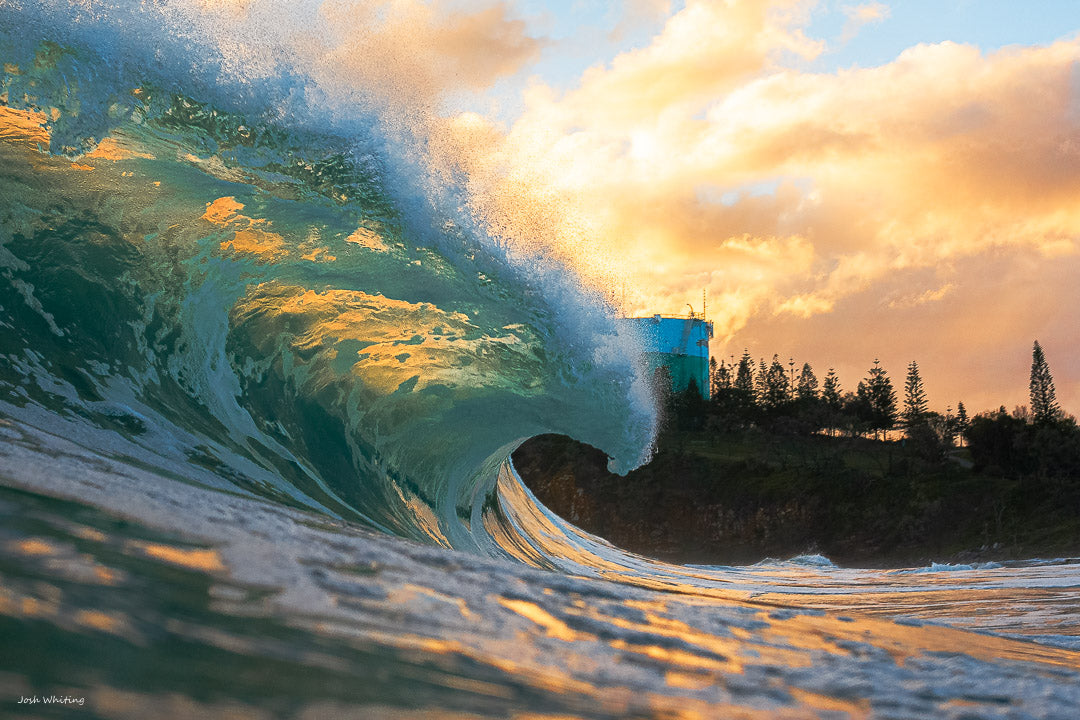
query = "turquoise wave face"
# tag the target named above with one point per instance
(265, 301)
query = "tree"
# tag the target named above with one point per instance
(1044, 406)
(962, 422)
(807, 388)
(761, 380)
(719, 377)
(945, 427)
(830, 392)
(915, 406)
(877, 399)
(742, 395)
(832, 400)
(744, 374)
(775, 386)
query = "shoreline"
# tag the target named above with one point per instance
(746, 498)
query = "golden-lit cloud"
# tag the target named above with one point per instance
(429, 49)
(712, 159)
(385, 56)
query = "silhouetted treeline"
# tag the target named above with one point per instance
(1037, 441)
(775, 398)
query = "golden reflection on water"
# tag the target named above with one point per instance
(554, 627)
(15, 604)
(904, 641)
(248, 235)
(34, 546)
(688, 681)
(548, 642)
(317, 254)
(226, 210)
(511, 543)
(63, 559)
(267, 246)
(117, 148)
(369, 239)
(99, 620)
(88, 533)
(854, 709)
(410, 592)
(31, 127)
(44, 601)
(206, 560)
(23, 126)
(382, 341)
(423, 517)
(950, 603)
(251, 235)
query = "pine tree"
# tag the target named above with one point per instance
(830, 392)
(832, 400)
(727, 376)
(877, 396)
(776, 388)
(807, 388)
(1044, 407)
(743, 389)
(962, 421)
(761, 382)
(915, 406)
(719, 377)
(744, 375)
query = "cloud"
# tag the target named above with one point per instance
(414, 52)
(623, 134)
(973, 344)
(703, 51)
(910, 300)
(388, 56)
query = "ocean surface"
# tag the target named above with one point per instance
(262, 367)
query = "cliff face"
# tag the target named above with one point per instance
(859, 502)
(667, 509)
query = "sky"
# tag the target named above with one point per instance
(843, 181)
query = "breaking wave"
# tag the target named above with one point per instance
(261, 373)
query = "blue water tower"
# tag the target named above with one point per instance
(681, 344)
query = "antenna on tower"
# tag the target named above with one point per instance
(703, 315)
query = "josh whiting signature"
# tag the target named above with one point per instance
(51, 700)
